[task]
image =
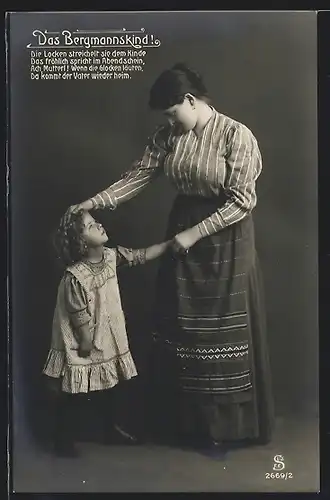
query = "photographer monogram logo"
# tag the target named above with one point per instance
(279, 469)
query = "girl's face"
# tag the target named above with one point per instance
(93, 232)
(183, 115)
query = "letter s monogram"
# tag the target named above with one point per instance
(278, 462)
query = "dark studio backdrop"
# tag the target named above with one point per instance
(70, 140)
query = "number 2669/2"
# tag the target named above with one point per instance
(279, 475)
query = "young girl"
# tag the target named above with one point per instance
(89, 350)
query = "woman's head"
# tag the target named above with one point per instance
(178, 93)
(76, 236)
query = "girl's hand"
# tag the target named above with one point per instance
(186, 239)
(85, 348)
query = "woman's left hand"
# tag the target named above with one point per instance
(186, 239)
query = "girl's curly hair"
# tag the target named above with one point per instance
(67, 240)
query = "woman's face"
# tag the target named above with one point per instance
(183, 115)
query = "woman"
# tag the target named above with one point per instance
(210, 314)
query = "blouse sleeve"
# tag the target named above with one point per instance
(243, 167)
(76, 301)
(141, 173)
(130, 256)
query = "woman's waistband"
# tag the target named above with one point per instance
(196, 199)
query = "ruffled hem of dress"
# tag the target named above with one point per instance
(54, 366)
(98, 376)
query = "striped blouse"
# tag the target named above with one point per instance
(224, 159)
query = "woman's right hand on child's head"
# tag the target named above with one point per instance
(71, 210)
(85, 205)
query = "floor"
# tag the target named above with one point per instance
(151, 468)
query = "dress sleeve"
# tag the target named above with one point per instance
(243, 167)
(76, 301)
(130, 256)
(141, 173)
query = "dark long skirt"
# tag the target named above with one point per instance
(211, 364)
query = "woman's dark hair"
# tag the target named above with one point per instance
(172, 85)
(67, 241)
